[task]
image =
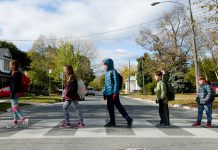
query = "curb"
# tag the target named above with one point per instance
(173, 106)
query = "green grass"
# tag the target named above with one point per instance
(41, 99)
(23, 101)
(183, 99)
(4, 106)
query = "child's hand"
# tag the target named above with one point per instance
(114, 96)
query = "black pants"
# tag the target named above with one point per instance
(164, 113)
(119, 106)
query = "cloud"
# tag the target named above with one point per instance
(120, 56)
(28, 19)
(25, 19)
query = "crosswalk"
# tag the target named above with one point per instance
(180, 128)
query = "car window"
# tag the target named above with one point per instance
(215, 83)
(6, 89)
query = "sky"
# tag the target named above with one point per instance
(28, 19)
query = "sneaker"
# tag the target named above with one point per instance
(196, 124)
(65, 125)
(25, 123)
(129, 122)
(110, 124)
(12, 125)
(166, 126)
(80, 125)
(208, 125)
(160, 125)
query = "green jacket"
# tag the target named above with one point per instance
(161, 92)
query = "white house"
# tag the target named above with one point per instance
(5, 57)
(133, 84)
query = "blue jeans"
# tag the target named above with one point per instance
(66, 109)
(208, 109)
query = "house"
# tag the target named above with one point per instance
(5, 58)
(133, 84)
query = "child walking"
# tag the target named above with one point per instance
(71, 96)
(204, 102)
(161, 92)
(111, 93)
(15, 88)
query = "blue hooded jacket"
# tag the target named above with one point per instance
(110, 87)
(204, 94)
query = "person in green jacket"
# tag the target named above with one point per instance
(161, 92)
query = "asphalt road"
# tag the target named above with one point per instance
(43, 132)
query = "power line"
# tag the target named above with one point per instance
(89, 35)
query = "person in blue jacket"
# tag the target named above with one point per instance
(204, 102)
(111, 93)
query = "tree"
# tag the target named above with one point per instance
(146, 60)
(47, 55)
(124, 71)
(98, 83)
(17, 54)
(171, 46)
(210, 9)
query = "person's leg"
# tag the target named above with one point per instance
(17, 114)
(200, 113)
(66, 108)
(165, 114)
(208, 113)
(168, 115)
(75, 105)
(14, 104)
(15, 109)
(161, 113)
(110, 107)
(121, 109)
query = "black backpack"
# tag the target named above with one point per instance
(213, 93)
(170, 91)
(120, 78)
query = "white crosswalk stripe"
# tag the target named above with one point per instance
(94, 128)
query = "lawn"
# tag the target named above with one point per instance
(41, 99)
(183, 99)
(4, 106)
(32, 99)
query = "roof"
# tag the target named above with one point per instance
(4, 52)
(132, 78)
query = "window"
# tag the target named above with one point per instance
(6, 65)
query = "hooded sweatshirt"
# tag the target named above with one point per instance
(111, 85)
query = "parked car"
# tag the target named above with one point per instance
(214, 85)
(5, 92)
(90, 91)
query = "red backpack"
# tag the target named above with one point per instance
(25, 83)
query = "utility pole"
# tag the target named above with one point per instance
(49, 71)
(194, 46)
(143, 76)
(129, 79)
(193, 37)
